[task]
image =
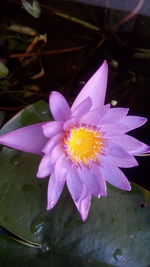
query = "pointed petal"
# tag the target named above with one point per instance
(56, 153)
(74, 184)
(59, 107)
(101, 179)
(70, 123)
(45, 167)
(131, 144)
(114, 114)
(83, 205)
(52, 128)
(54, 191)
(116, 155)
(125, 125)
(116, 177)
(95, 88)
(61, 167)
(55, 140)
(94, 116)
(89, 178)
(29, 139)
(126, 162)
(133, 122)
(117, 151)
(83, 107)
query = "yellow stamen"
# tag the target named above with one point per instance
(84, 144)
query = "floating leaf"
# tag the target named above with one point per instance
(13, 253)
(34, 9)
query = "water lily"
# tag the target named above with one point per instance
(85, 146)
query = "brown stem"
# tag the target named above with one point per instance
(129, 16)
(52, 52)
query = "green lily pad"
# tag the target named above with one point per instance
(16, 167)
(13, 253)
(116, 233)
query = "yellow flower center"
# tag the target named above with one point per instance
(84, 144)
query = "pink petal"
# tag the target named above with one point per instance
(56, 153)
(61, 167)
(52, 143)
(55, 188)
(131, 144)
(95, 88)
(116, 177)
(94, 116)
(45, 167)
(101, 179)
(116, 155)
(89, 178)
(114, 114)
(59, 107)
(83, 204)
(82, 108)
(125, 125)
(70, 123)
(126, 162)
(52, 128)
(29, 139)
(133, 122)
(74, 184)
(48, 161)
(115, 150)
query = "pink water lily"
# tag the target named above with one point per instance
(85, 145)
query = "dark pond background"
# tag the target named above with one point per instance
(68, 42)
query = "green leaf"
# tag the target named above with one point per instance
(16, 169)
(13, 253)
(34, 9)
(3, 70)
(116, 233)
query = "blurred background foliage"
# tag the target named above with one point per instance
(57, 45)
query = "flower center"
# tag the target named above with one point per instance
(84, 144)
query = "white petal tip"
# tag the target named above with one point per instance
(53, 92)
(127, 187)
(40, 175)
(84, 217)
(50, 205)
(104, 63)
